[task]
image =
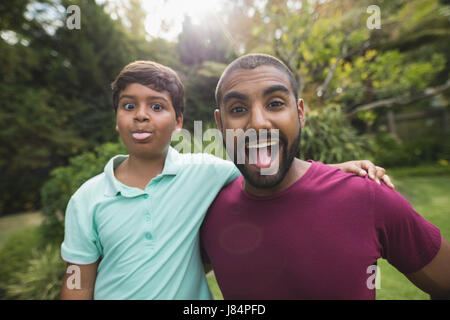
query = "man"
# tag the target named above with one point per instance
(308, 231)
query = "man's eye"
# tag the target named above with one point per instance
(275, 104)
(129, 106)
(157, 107)
(237, 109)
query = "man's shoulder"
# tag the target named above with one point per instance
(326, 175)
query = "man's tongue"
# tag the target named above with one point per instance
(141, 135)
(263, 159)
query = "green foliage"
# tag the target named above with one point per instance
(55, 90)
(41, 280)
(15, 253)
(329, 137)
(200, 85)
(66, 180)
(440, 169)
(390, 151)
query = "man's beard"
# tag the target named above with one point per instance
(260, 181)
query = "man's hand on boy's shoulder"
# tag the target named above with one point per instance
(364, 167)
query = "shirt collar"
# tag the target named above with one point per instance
(172, 165)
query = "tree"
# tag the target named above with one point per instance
(336, 58)
(55, 92)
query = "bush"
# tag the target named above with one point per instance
(329, 137)
(390, 151)
(15, 254)
(64, 181)
(41, 280)
(442, 169)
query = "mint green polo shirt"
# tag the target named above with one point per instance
(148, 240)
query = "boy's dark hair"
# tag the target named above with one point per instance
(252, 61)
(153, 75)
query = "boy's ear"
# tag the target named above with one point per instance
(218, 119)
(179, 123)
(117, 127)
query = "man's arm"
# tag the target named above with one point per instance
(434, 278)
(79, 282)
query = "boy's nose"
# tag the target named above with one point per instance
(141, 114)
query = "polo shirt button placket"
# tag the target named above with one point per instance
(148, 235)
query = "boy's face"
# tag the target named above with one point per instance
(146, 120)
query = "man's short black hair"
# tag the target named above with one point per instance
(252, 61)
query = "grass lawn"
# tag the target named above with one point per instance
(10, 224)
(430, 197)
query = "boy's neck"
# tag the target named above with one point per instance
(137, 171)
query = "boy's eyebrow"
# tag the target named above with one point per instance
(233, 95)
(126, 96)
(274, 88)
(129, 96)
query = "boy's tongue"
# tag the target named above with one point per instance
(263, 160)
(141, 135)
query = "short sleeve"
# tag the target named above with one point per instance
(226, 170)
(407, 240)
(81, 245)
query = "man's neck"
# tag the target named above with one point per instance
(295, 172)
(137, 171)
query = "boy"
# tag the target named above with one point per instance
(132, 231)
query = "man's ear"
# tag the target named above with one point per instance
(218, 119)
(301, 112)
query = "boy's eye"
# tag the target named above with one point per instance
(157, 107)
(237, 109)
(275, 104)
(129, 106)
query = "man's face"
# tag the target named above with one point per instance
(146, 120)
(262, 98)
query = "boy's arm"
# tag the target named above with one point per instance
(363, 167)
(79, 281)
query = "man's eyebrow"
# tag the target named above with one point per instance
(234, 95)
(274, 88)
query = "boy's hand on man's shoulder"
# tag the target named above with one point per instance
(364, 167)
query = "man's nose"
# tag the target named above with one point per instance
(259, 119)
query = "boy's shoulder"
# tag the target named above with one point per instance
(200, 166)
(193, 160)
(91, 190)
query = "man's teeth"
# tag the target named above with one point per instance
(262, 145)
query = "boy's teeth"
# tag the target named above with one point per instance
(141, 135)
